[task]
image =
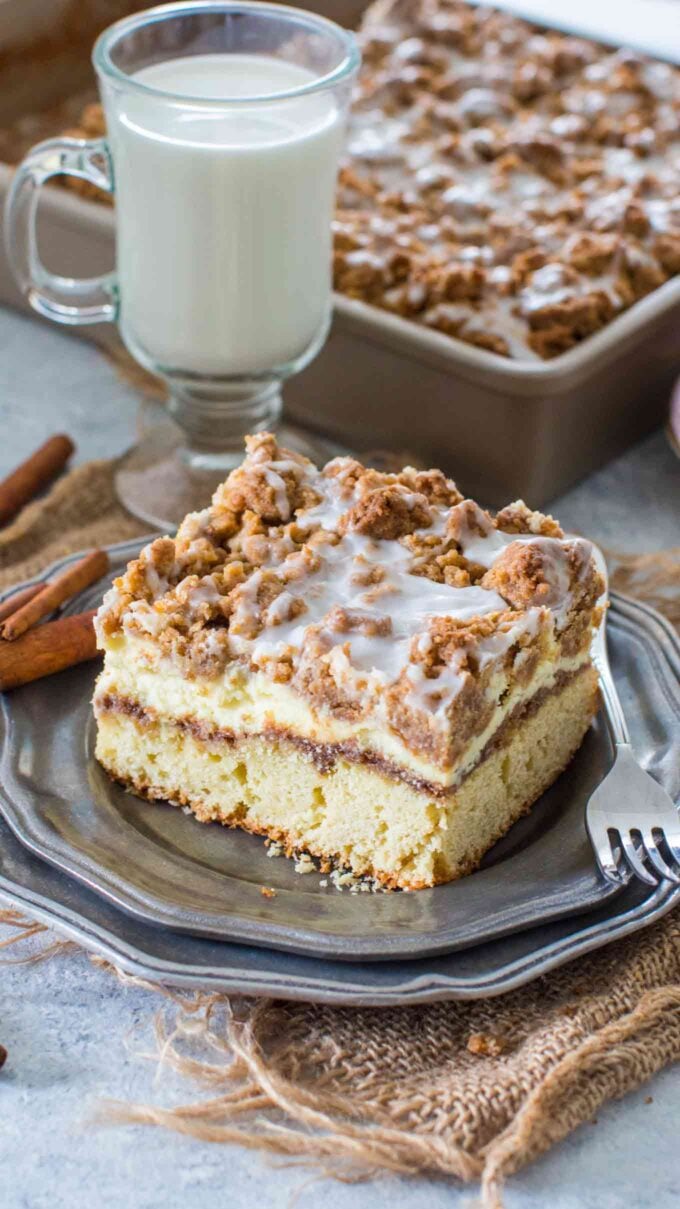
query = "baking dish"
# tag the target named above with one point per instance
(502, 428)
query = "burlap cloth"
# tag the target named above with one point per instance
(473, 1090)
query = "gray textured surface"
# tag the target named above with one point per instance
(72, 1032)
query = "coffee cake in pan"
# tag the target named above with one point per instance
(511, 186)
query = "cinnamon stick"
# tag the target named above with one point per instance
(18, 600)
(76, 577)
(47, 649)
(32, 475)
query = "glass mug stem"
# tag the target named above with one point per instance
(62, 299)
(216, 422)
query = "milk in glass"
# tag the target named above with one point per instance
(223, 214)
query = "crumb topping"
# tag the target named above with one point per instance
(373, 595)
(512, 187)
(487, 1045)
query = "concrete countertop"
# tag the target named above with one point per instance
(72, 1031)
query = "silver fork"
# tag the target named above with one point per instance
(629, 809)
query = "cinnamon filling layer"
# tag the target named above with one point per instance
(325, 755)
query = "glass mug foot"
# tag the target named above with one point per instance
(225, 123)
(163, 477)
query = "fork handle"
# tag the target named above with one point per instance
(612, 705)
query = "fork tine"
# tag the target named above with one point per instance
(656, 859)
(672, 841)
(670, 838)
(604, 854)
(631, 854)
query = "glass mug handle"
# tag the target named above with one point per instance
(63, 299)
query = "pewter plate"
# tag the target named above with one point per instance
(163, 868)
(177, 959)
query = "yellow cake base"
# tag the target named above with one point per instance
(352, 814)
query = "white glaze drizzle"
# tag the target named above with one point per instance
(401, 604)
(409, 601)
(369, 629)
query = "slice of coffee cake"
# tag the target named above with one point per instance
(363, 666)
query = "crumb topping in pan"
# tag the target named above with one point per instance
(370, 594)
(512, 187)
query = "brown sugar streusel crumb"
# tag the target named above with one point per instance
(487, 1045)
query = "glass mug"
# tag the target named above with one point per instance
(225, 124)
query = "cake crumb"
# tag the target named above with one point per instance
(341, 879)
(274, 849)
(487, 1045)
(267, 891)
(305, 864)
(344, 879)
